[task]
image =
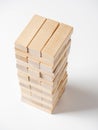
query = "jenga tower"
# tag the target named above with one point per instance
(41, 54)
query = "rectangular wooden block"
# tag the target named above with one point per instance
(23, 75)
(42, 37)
(29, 32)
(49, 66)
(33, 73)
(22, 68)
(35, 80)
(24, 59)
(34, 63)
(24, 84)
(52, 76)
(60, 37)
(21, 62)
(35, 104)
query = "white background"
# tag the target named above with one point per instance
(78, 107)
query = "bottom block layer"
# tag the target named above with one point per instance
(40, 106)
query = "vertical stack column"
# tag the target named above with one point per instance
(41, 53)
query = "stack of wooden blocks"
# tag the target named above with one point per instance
(41, 54)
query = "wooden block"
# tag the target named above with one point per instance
(57, 100)
(21, 72)
(37, 89)
(51, 67)
(36, 99)
(21, 58)
(44, 96)
(54, 45)
(24, 82)
(40, 87)
(25, 85)
(63, 80)
(21, 62)
(33, 73)
(22, 68)
(23, 75)
(29, 32)
(34, 80)
(42, 37)
(35, 104)
(25, 90)
(65, 77)
(21, 53)
(59, 94)
(33, 63)
(56, 71)
(41, 100)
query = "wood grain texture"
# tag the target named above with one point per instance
(42, 37)
(22, 68)
(21, 62)
(50, 98)
(41, 104)
(56, 41)
(35, 104)
(29, 32)
(34, 63)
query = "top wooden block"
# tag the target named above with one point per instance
(41, 38)
(44, 38)
(29, 32)
(61, 36)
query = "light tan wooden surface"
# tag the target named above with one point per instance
(55, 43)
(42, 37)
(29, 32)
